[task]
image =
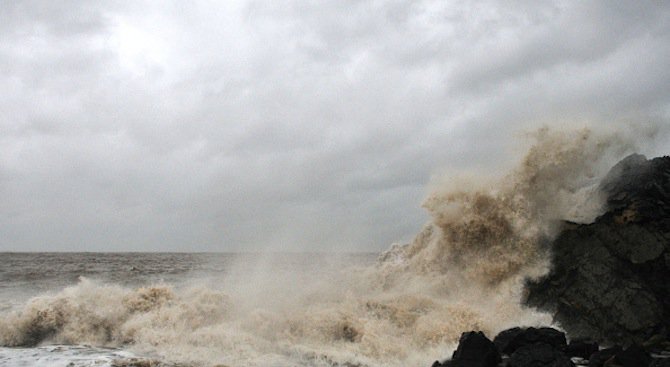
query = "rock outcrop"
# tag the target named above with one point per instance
(546, 347)
(507, 341)
(516, 347)
(610, 280)
(474, 350)
(540, 354)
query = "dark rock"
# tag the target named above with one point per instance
(633, 356)
(509, 340)
(474, 350)
(504, 340)
(609, 278)
(539, 355)
(599, 358)
(657, 343)
(581, 348)
(661, 362)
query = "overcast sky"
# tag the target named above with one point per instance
(227, 126)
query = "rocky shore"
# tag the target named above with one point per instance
(609, 285)
(539, 347)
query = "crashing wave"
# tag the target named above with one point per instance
(463, 271)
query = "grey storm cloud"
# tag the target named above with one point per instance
(297, 125)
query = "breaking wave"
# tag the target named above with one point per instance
(464, 271)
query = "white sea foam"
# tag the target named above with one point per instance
(65, 355)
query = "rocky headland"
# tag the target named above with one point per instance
(608, 287)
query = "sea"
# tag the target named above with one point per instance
(397, 308)
(245, 309)
(41, 294)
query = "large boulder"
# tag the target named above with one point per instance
(633, 356)
(609, 279)
(507, 341)
(599, 358)
(474, 350)
(581, 348)
(539, 355)
(665, 362)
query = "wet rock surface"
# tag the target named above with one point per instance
(609, 279)
(660, 363)
(581, 348)
(474, 350)
(599, 358)
(510, 340)
(539, 347)
(539, 354)
(633, 356)
(609, 284)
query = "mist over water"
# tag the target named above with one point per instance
(463, 271)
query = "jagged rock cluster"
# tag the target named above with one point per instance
(610, 280)
(609, 283)
(545, 346)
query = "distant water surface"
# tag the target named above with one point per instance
(25, 275)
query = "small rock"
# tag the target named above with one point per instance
(579, 361)
(539, 354)
(581, 348)
(474, 350)
(661, 362)
(510, 340)
(611, 363)
(633, 356)
(599, 358)
(655, 343)
(505, 338)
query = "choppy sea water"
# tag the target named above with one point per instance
(27, 277)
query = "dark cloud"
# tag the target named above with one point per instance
(294, 125)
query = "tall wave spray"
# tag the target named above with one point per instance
(463, 271)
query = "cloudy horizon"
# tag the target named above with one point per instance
(251, 125)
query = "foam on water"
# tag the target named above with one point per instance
(463, 271)
(65, 355)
